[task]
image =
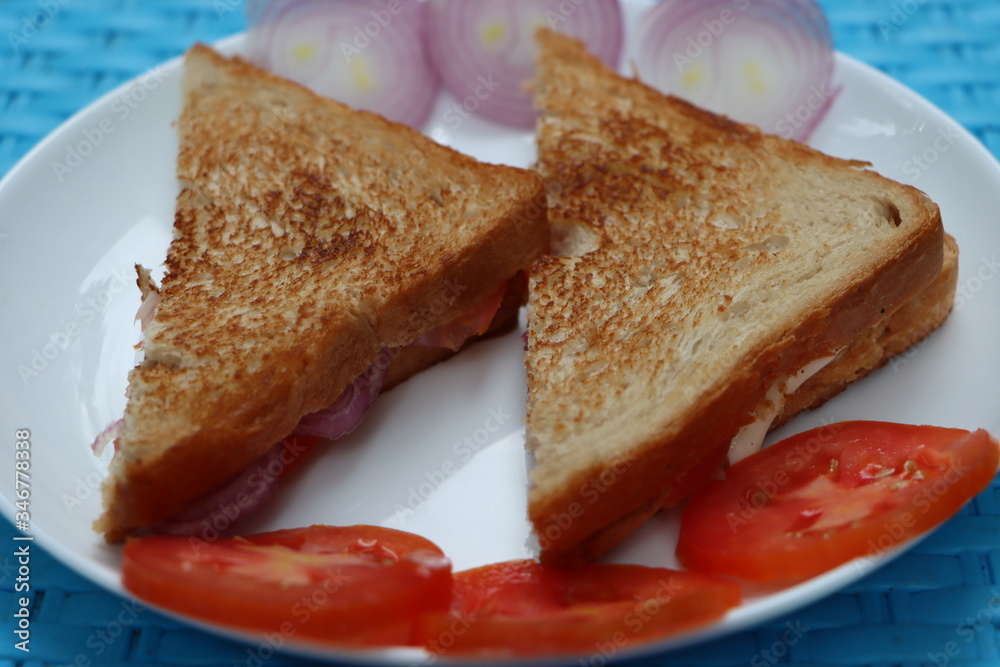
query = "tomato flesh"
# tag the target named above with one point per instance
(473, 323)
(358, 585)
(821, 498)
(525, 607)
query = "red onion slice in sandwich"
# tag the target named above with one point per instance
(220, 509)
(109, 434)
(215, 512)
(344, 415)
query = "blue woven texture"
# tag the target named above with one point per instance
(936, 605)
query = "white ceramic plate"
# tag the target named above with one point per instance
(442, 455)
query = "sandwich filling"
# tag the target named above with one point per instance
(750, 438)
(256, 483)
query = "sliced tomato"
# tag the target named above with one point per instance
(473, 323)
(358, 585)
(832, 494)
(524, 607)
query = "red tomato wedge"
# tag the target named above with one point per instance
(357, 585)
(832, 494)
(524, 607)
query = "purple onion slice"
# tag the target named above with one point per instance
(485, 50)
(367, 54)
(220, 509)
(769, 63)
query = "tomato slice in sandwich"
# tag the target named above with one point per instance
(832, 494)
(358, 585)
(473, 323)
(524, 607)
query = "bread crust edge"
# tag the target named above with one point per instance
(575, 526)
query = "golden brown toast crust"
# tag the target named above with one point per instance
(307, 236)
(896, 333)
(686, 236)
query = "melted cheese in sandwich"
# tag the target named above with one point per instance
(750, 438)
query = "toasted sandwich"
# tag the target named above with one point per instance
(311, 240)
(701, 272)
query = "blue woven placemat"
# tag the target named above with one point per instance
(936, 605)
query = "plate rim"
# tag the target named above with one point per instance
(827, 583)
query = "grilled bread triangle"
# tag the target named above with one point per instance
(308, 236)
(697, 262)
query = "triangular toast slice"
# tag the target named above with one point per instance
(885, 343)
(697, 263)
(308, 236)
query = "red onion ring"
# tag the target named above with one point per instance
(110, 433)
(345, 413)
(365, 53)
(220, 509)
(485, 50)
(769, 63)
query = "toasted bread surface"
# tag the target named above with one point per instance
(307, 236)
(698, 260)
(896, 333)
